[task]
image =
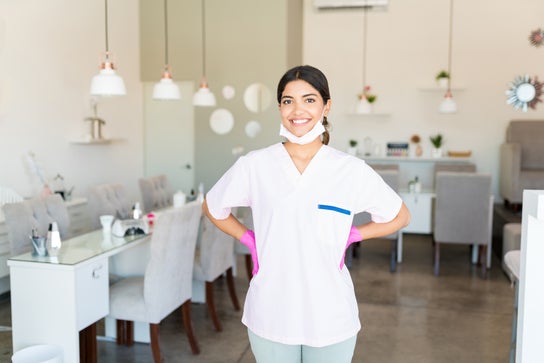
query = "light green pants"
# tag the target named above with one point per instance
(266, 351)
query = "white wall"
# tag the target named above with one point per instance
(49, 51)
(406, 46)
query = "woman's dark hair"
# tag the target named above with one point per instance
(316, 79)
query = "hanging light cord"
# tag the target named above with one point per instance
(106, 21)
(165, 33)
(365, 27)
(204, 38)
(450, 45)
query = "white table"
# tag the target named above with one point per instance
(53, 299)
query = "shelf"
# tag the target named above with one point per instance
(368, 115)
(93, 141)
(440, 89)
(422, 159)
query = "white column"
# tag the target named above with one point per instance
(531, 291)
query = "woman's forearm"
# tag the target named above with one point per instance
(230, 225)
(376, 230)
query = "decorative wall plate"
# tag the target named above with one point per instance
(253, 128)
(524, 92)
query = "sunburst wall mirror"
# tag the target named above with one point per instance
(524, 93)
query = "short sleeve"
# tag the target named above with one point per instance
(378, 198)
(231, 190)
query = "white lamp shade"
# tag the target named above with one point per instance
(166, 89)
(448, 105)
(107, 83)
(204, 97)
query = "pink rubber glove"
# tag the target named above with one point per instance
(354, 236)
(248, 239)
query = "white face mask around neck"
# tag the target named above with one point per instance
(308, 137)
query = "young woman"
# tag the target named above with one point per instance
(301, 306)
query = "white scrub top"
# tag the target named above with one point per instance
(302, 221)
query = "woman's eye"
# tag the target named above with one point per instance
(310, 100)
(286, 102)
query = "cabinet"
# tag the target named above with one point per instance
(420, 206)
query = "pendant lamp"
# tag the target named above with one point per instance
(448, 104)
(166, 89)
(107, 82)
(204, 96)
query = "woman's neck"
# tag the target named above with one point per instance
(303, 154)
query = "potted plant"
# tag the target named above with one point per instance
(437, 145)
(352, 147)
(442, 78)
(366, 99)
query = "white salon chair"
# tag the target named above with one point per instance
(167, 283)
(213, 258)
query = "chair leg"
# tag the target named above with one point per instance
(188, 324)
(129, 339)
(232, 289)
(436, 258)
(121, 334)
(482, 260)
(393, 263)
(211, 306)
(249, 266)
(154, 330)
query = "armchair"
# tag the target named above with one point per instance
(213, 258)
(156, 192)
(34, 213)
(167, 283)
(108, 199)
(521, 161)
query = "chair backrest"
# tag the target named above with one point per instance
(156, 192)
(39, 212)
(463, 210)
(169, 273)
(529, 134)
(214, 252)
(108, 199)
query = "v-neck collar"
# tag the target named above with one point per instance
(289, 165)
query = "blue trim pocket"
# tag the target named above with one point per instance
(334, 209)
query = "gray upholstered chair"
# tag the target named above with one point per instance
(108, 199)
(167, 283)
(390, 174)
(521, 161)
(213, 258)
(156, 192)
(37, 213)
(463, 214)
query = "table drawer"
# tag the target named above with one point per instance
(92, 292)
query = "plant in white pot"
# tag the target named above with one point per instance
(437, 141)
(442, 79)
(352, 147)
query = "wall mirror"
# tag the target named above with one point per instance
(257, 97)
(228, 92)
(524, 92)
(253, 128)
(221, 121)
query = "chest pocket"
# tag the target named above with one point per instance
(333, 224)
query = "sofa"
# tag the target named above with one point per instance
(521, 160)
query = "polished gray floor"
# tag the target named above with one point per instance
(408, 316)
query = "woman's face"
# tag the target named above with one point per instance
(301, 107)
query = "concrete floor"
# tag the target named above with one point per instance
(408, 316)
